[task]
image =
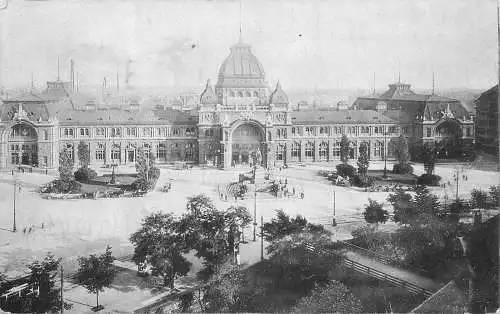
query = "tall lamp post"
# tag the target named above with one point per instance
(254, 203)
(385, 153)
(14, 228)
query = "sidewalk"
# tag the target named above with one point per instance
(399, 273)
(130, 291)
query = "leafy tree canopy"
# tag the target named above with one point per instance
(375, 213)
(83, 154)
(159, 243)
(344, 149)
(96, 272)
(363, 161)
(282, 225)
(333, 297)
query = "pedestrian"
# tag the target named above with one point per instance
(286, 181)
(42, 225)
(225, 197)
(293, 189)
(24, 230)
(46, 171)
(29, 230)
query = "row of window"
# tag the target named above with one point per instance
(243, 94)
(467, 132)
(161, 150)
(130, 132)
(325, 130)
(309, 152)
(23, 147)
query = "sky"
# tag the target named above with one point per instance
(305, 44)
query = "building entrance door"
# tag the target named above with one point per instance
(131, 155)
(246, 141)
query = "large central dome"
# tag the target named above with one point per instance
(241, 67)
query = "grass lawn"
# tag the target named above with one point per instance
(407, 179)
(100, 183)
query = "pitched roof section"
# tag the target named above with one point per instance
(35, 110)
(436, 110)
(342, 116)
(123, 116)
(449, 299)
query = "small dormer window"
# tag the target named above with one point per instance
(348, 118)
(375, 118)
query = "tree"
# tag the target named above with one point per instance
(96, 273)
(479, 198)
(401, 151)
(283, 225)
(42, 275)
(333, 297)
(495, 195)
(423, 209)
(427, 205)
(403, 208)
(142, 165)
(344, 149)
(223, 290)
(375, 213)
(428, 155)
(211, 232)
(83, 154)
(363, 161)
(66, 164)
(158, 243)
(303, 259)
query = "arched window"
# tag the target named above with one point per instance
(161, 151)
(45, 135)
(309, 150)
(336, 149)
(295, 150)
(115, 152)
(280, 152)
(255, 94)
(323, 151)
(247, 94)
(269, 137)
(379, 149)
(99, 152)
(240, 94)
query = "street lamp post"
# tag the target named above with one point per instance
(385, 153)
(254, 203)
(14, 229)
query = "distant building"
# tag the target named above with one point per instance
(424, 117)
(234, 122)
(487, 121)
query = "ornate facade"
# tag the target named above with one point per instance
(424, 118)
(240, 120)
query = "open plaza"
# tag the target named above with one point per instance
(75, 227)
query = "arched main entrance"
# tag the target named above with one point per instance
(246, 144)
(23, 145)
(448, 135)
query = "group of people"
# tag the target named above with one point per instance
(284, 189)
(31, 228)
